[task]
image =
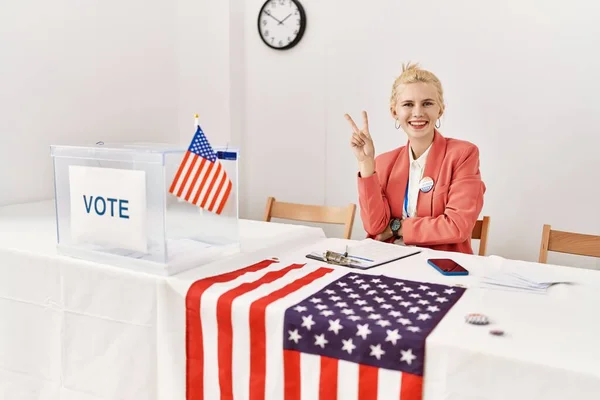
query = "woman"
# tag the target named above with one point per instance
(428, 193)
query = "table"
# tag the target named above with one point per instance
(78, 330)
(550, 350)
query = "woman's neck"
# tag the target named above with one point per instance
(419, 145)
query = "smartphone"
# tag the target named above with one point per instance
(447, 267)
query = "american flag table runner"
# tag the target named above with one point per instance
(304, 331)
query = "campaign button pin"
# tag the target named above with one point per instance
(426, 184)
(477, 319)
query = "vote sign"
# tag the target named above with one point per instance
(108, 207)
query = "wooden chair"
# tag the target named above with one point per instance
(568, 243)
(480, 232)
(311, 213)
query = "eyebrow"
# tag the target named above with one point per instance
(411, 101)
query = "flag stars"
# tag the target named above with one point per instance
(407, 356)
(360, 302)
(379, 299)
(383, 323)
(354, 318)
(377, 351)
(354, 296)
(348, 346)
(374, 316)
(294, 336)
(432, 294)
(335, 326)
(382, 286)
(375, 280)
(342, 284)
(300, 308)
(321, 306)
(335, 298)
(368, 309)
(415, 295)
(414, 310)
(387, 306)
(393, 336)
(449, 291)
(329, 291)
(315, 300)
(433, 308)
(371, 292)
(320, 340)
(359, 281)
(341, 304)
(327, 313)
(441, 299)
(347, 311)
(406, 289)
(423, 302)
(389, 291)
(348, 290)
(423, 287)
(423, 317)
(414, 329)
(307, 322)
(395, 313)
(363, 331)
(397, 298)
(365, 286)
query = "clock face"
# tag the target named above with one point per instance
(281, 23)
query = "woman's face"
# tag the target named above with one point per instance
(417, 109)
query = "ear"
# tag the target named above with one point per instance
(393, 112)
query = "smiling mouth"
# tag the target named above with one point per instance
(418, 124)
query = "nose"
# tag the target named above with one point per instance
(417, 111)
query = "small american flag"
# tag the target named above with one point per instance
(305, 331)
(201, 179)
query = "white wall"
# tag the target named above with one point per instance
(80, 71)
(520, 79)
(521, 82)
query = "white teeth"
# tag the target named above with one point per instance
(418, 123)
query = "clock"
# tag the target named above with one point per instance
(281, 23)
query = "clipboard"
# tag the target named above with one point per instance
(345, 260)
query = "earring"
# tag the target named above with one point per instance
(438, 125)
(397, 124)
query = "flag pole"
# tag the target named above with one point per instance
(195, 121)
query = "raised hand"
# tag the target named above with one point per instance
(361, 142)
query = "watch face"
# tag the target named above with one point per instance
(281, 23)
(395, 225)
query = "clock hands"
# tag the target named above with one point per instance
(269, 14)
(281, 22)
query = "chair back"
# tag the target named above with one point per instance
(312, 213)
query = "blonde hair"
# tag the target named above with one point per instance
(412, 73)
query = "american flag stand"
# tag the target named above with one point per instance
(206, 184)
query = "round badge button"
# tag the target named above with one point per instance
(426, 184)
(477, 319)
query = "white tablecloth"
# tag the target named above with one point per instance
(77, 330)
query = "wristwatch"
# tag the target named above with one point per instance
(395, 225)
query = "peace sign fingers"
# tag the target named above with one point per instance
(365, 124)
(352, 124)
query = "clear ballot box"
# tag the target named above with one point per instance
(114, 205)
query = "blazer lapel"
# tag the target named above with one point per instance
(399, 176)
(432, 170)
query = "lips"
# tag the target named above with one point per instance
(418, 124)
